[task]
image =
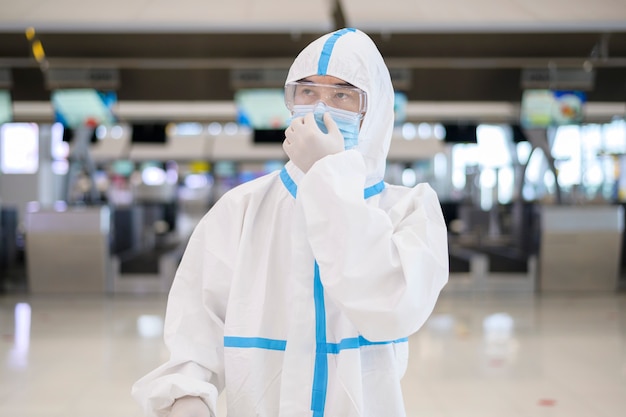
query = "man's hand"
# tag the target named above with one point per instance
(305, 143)
(190, 407)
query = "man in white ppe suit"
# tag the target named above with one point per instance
(298, 290)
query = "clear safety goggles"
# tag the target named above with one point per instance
(344, 97)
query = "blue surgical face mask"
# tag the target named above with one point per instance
(348, 122)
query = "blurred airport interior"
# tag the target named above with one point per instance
(528, 208)
(121, 124)
(116, 137)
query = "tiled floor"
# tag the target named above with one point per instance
(480, 355)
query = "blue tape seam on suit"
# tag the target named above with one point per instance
(281, 345)
(323, 348)
(292, 187)
(322, 64)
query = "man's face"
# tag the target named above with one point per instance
(332, 91)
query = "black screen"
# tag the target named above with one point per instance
(68, 135)
(518, 134)
(269, 135)
(148, 133)
(460, 133)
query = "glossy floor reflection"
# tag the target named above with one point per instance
(487, 355)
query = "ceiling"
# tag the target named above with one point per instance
(446, 51)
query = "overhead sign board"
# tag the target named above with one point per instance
(100, 79)
(558, 79)
(5, 78)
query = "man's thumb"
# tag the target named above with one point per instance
(331, 125)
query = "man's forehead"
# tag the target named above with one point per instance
(325, 79)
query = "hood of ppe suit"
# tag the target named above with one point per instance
(355, 59)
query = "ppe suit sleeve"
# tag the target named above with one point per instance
(384, 266)
(193, 330)
(189, 407)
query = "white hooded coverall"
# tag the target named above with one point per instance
(297, 292)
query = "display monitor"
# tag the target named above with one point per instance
(268, 135)
(6, 108)
(262, 108)
(518, 134)
(148, 133)
(69, 133)
(399, 108)
(19, 148)
(460, 133)
(543, 108)
(79, 106)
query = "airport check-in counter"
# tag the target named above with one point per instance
(412, 150)
(67, 251)
(110, 149)
(241, 147)
(580, 248)
(182, 148)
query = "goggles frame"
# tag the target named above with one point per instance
(344, 97)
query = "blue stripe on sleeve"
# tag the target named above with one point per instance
(288, 182)
(374, 189)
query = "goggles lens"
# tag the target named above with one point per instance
(338, 96)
